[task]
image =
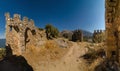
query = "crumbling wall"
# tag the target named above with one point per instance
(112, 21)
(19, 33)
(98, 36)
(77, 35)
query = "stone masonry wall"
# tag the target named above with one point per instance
(98, 36)
(112, 20)
(19, 33)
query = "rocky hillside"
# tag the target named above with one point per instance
(85, 33)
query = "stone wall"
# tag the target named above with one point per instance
(19, 33)
(112, 20)
(77, 35)
(98, 36)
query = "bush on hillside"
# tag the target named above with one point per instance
(51, 31)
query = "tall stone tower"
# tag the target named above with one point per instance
(16, 29)
(22, 33)
(112, 20)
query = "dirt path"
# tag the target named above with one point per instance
(70, 62)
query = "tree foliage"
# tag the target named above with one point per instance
(51, 31)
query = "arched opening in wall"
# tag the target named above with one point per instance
(28, 35)
(113, 53)
(112, 0)
(10, 28)
(16, 28)
(33, 32)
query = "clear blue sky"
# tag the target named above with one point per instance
(63, 14)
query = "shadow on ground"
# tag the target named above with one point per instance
(108, 65)
(14, 63)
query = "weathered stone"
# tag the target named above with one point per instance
(98, 36)
(112, 28)
(20, 33)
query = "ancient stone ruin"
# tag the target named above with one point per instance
(20, 33)
(98, 36)
(112, 20)
(77, 35)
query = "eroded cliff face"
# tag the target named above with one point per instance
(112, 20)
(20, 33)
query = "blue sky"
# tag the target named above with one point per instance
(63, 14)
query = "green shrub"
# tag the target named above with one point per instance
(51, 31)
(2, 52)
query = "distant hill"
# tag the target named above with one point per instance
(87, 36)
(2, 43)
(87, 33)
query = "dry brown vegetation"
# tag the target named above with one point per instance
(49, 51)
(52, 56)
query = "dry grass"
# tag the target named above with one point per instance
(49, 52)
(50, 44)
(94, 64)
(52, 52)
(93, 55)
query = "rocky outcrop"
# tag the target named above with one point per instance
(66, 34)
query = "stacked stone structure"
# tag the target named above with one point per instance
(112, 20)
(77, 35)
(19, 33)
(98, 36)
